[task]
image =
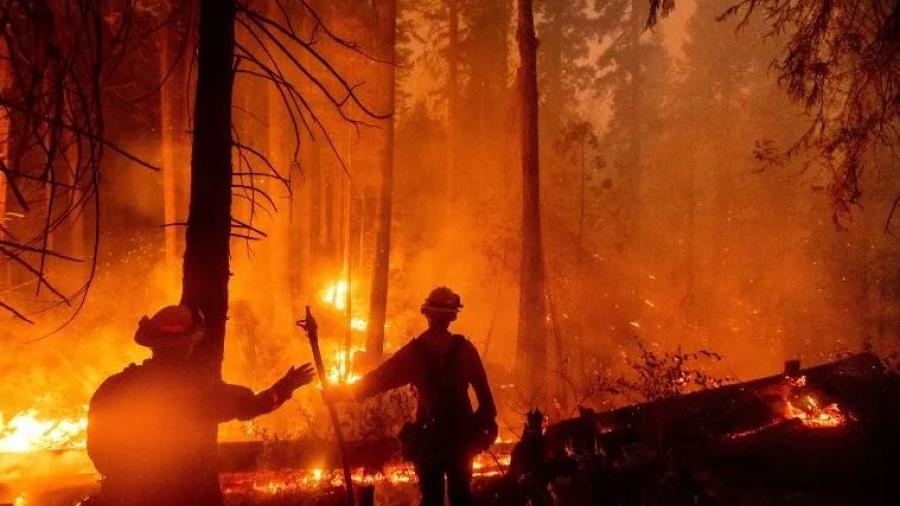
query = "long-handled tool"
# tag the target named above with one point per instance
(312, 332)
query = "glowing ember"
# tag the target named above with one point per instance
(27, 432)
(812, 415)
(807, 409)
(287, 482)
(800, 404)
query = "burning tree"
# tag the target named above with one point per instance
(55, 138)
(271, 58)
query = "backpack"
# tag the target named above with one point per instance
(432, 438)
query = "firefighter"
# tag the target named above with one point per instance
(152, 427)
(446, 434)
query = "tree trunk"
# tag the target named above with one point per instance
(387, 24)
(206, 272)
(287, 259)
(175, 57)
(452, 102)
(5, 133)
(636, 128)
(531, 354)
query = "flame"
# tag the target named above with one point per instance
(812, 415)
(804, 407)
(807, 408)
(28, 432)
(484, 465)
(358, 323)
(341, 368)
(336, 295)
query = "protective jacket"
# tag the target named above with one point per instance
(152, 433)
(441, 383)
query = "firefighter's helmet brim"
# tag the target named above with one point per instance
(441, 309)
(171, 325)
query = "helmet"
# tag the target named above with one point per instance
(442, 300)
(169, 325)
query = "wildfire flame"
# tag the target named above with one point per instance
(807, 408)
(812, 415)
(285, 482)
(335, 295)
(800, 404)
(28, 432)
(341, 368)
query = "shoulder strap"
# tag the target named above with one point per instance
(445, 377)
(447, 367)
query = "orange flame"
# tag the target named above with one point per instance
(807, 409)
(812, 415)
(341, 368)
(484, 465)
(28, 432)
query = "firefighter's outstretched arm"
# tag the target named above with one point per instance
(240, 402)
(395, 372)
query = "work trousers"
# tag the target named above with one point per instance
(458, 473)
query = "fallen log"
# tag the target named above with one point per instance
(823, 432)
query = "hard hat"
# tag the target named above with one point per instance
(442, 300)
(169, 325)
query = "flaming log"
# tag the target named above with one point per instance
(845, 384)
(820, 433)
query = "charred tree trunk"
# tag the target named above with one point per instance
(175, 57)
(531, 354)
(387, 24)
(206, 271)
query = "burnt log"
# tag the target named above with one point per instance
(739, 444)
(859, 384)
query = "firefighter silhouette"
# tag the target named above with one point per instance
(152, 427)
(447, 433)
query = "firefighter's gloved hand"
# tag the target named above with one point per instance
(293, 379)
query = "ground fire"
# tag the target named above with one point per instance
(624, 439)
(30, 432)
(492, 252)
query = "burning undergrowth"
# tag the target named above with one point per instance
(684, 430)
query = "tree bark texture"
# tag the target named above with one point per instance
(387, 28)
(206, 269)
(531, 354)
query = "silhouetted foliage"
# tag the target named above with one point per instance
(841, 61)
(56, 57)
